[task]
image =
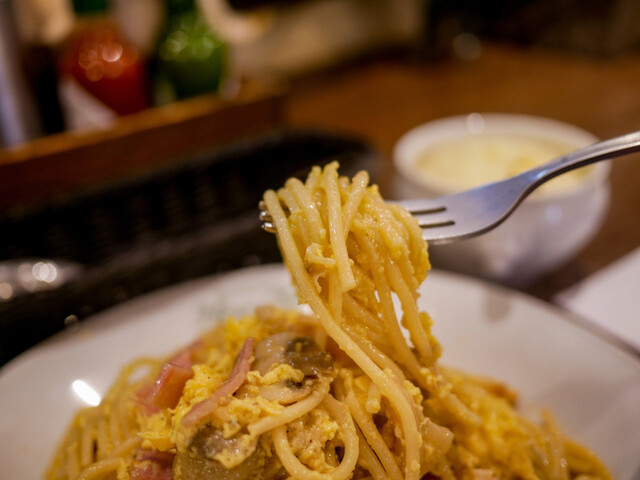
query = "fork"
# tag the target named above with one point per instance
(463, 215)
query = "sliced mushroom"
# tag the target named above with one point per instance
(270, 351)
(300, 352)
(192, 467)
(304, 354)
(199, 461)
(209, 442)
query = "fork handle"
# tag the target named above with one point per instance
(611, 148)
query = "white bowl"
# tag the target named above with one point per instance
(544, 233)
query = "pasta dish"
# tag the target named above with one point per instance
(351, 388)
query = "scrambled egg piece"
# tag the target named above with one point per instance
(156, 432)
(502, 443)
(309, 435)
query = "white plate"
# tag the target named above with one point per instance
(592, 387)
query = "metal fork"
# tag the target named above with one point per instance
(458, 216)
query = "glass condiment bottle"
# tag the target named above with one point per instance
(42, 27)
(18, 115)
(101, 75)
(191, 57)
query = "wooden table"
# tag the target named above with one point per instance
(54, 166)
(382, 99)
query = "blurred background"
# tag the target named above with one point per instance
(137, 136)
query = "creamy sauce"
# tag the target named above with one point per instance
(469, 161)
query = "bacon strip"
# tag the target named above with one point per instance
(182, 359)
(153, 465)
(167, 389)
(206, 407)
(165, 392)
(141, 397)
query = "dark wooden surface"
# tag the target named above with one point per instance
(382, 99)
(60, 164)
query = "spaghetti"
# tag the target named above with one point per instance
(353, 391)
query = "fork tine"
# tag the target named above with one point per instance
(422, 205)
(438, 218)
(268, 227)
(266, 220)
(429, 213)
(440, 235)
(435, 217)
(265, 216)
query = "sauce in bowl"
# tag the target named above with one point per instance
(471, 160)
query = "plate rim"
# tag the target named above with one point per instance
(611, 340)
